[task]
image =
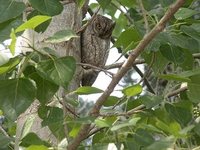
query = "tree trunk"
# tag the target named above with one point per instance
(71, 18)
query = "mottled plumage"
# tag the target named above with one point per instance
(95, 46)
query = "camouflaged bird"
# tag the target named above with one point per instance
(95, 46)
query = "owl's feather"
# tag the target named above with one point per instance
(95, 46)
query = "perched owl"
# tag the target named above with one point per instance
(95, 46)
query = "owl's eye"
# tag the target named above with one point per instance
(98, 25)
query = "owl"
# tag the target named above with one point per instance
(95, 44)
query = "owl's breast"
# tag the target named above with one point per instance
(94, 50)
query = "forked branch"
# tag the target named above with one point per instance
(85, 129)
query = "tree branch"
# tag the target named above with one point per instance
(96, 68)
(176, 92)
(85, 129)
(118, 65)
(146, 82)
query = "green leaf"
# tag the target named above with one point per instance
(141, 138)
(184, 13)
(121, 23)
(59, 71)
(47, 7)
(13, 42)
(181, 115)
(196, 26)
(128, 3)
(190, 73)
(162, 144)
(104, 3)
(131, 122)
(28, 125)
(16, 95)
(160, 60)
(99, 137)
(185, 131)
(106, 122)
(4, 140)
(32, 23)
(174, 77)
(132, 90)
(127, 37)
(189, 43)
(38, 147)
(151, 100)
(131, 104)
(84, 120)
(163, 126)
(189, 62)
(10, 9)
(73, 102)
(102, 123)
(197, 129)
(6, 27)
(172, 53)
(81, 3)
(53, 118)
(32, 139)
(190, 32)
(13, 62)
(100, 146)
(154, 45)
(45, 89)
(194, 89)
(51, 115)
(111, 101)
(43, 26)
(61, 36)
(194, 92)
(86, 90)
(75, 130)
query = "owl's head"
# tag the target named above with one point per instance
(103, 27)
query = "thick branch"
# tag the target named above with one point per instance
(135, 53)
(84, 131)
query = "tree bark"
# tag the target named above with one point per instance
(71, 18)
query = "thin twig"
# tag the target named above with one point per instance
(3, 131)
(88, 22)
(176, 92)
(147, 73)
(124, 13)
(122, 114)
(146, 82)
(96, 68)
(94, 131)
(118, 65)
(144, 14)
(196, 55)
(69, 109)
(85, 129)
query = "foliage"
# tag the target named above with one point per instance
(165, 117)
